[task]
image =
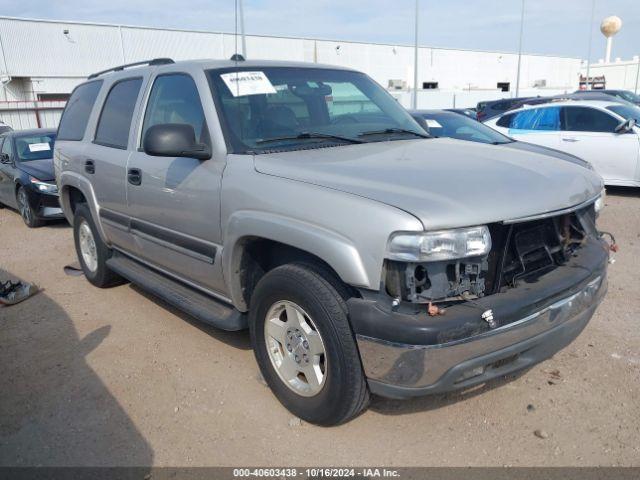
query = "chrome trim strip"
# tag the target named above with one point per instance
(554, 213)
(216, 295)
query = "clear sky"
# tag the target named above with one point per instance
(551, 26)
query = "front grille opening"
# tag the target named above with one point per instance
(524, 251)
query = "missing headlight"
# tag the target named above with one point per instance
(437, 281)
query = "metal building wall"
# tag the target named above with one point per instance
(41, 49)
(54, 56)
(145, 43)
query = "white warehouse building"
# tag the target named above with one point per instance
(42, 61)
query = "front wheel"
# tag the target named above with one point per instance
(27, 212)
(304, 345)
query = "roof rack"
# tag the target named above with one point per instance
(155, 61)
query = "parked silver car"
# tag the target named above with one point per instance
(303, 202)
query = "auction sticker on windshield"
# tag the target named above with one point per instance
(247, 83)
(39, 147)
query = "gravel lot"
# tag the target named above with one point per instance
(115, 377)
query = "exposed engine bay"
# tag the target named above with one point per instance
(520, 252)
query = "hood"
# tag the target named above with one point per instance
(40, 169)
(530, 147)
(443, 182)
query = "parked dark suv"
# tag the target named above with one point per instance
(490, 109)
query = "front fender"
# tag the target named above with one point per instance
(336, 250)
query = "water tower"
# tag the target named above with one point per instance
(609, 27)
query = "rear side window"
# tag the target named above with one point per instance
(115, 119)
(76, 114)
(544, 119)
(585, 119)
(505, 120)
(174, 99)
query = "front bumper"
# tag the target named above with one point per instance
(533, 325)
(46, 206)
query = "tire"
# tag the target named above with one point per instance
(342, 392)
(93, 258)
(28, 214)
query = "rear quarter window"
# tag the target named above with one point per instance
(117, 112)
(505, 121)
(76, 114)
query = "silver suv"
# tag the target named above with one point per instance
(303, 202)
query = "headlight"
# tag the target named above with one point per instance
(44, 187)
(598, 205)
(439, 245)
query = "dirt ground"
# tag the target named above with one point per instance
(115, 377)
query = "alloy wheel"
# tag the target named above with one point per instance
(88, 246)
(24, 208)
(295, 348)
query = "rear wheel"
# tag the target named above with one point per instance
(27, 212)
(92, 251)
(304, 345)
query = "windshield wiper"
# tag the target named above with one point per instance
(394, 130)
(309, 135)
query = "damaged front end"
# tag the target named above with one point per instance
(515, 253)
(458, 308)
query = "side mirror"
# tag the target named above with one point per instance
(4, 158)
(174, 140)
(626, 126)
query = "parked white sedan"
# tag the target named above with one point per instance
(606, 134)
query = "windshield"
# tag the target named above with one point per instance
(35, 147)
(263, 109)
(626, 112)
(629, 97)
(455, 125)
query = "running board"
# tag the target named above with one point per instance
(194, 302)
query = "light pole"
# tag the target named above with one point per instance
(637, 76)
(593, 9)
(414, 100)
(520, 51)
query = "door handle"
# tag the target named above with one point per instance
(572, 140)
(90, 167)
(134, 176)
